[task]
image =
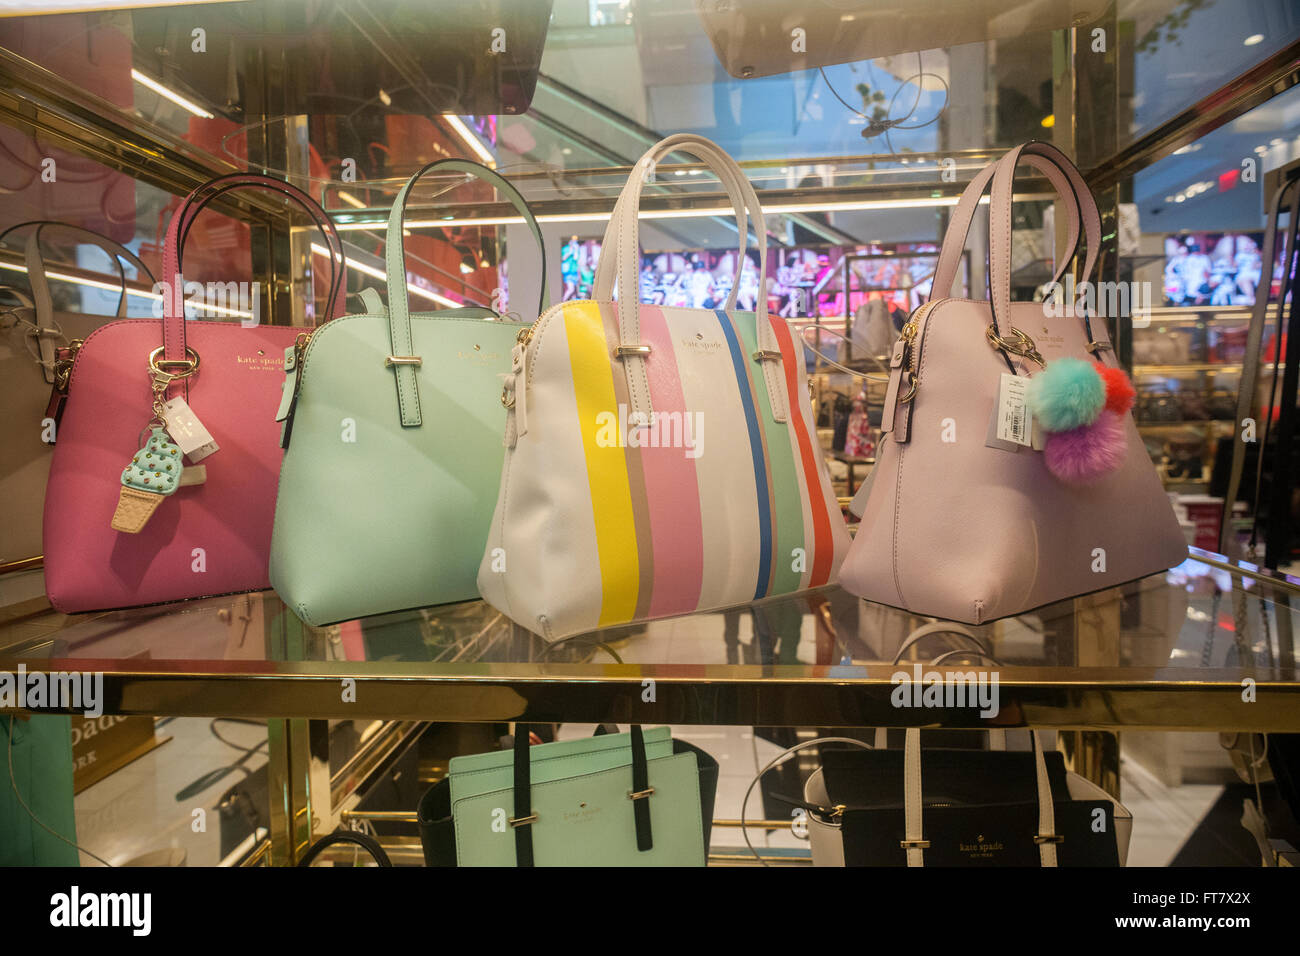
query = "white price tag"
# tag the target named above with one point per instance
(1014, 421)
(187, 431)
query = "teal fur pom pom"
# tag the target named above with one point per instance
(1067, 394)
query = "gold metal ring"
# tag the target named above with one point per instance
(186, 366)
(1023, 346)
(507, 399)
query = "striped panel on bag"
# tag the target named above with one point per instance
(673, 532)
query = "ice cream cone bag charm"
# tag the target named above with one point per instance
(153, 473)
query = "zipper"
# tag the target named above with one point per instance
(527, 335)
(912, 349)
(63, 365)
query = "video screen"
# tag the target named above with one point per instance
(1215, 268)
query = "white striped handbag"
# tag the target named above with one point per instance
(659, 460)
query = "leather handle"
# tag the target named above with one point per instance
(606, 267)
(913, 803)
(367, 843)
(640, 794)
(954, 239)
(1083, 204)
(939, 627)
(399, 308)
(621, 235)
(178, 228)
(42, 301)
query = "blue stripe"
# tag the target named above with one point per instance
(756, 452)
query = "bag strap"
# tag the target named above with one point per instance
(622, 237)
(402, 361)
(607, 264)
(367, 843)
(1078, 201)
(524, 819)
(914, 842)
(43, 302)
(939, 627)
(174, 347)
(1249, 384)
(954, 240)
(781, 758)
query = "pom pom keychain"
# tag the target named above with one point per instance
(1081, 406)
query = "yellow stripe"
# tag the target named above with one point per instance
(611, 495)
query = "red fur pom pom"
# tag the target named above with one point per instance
(1119, 390)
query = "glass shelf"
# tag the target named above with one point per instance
(1161, 653)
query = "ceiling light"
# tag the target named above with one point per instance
(350, 199)
(117, 287)
(374, 273)
(1048, 121)
(1253, 39)
(471, 140)
(385, 98)
(701, 213)
(172, 95)
(1189, 148)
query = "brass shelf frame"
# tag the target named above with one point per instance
(1063, 698)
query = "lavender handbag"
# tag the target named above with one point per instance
(960, 525)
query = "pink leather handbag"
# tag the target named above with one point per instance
(959, 525)
(206, 538)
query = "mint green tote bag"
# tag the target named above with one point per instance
(633, 799)
(392, 428)
(40, 752)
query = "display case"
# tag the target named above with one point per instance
(858, 143)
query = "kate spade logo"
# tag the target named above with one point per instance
(261, 361)
(478, 357)
(981, 849)
(584, 814)
(698, 343)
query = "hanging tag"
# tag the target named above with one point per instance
(187, 431)
(1014, 424)
(193, 475)
(1039, 436)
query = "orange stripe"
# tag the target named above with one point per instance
(823, 547)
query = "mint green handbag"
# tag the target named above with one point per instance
(392, 433)
(633, 799)
(40, 753)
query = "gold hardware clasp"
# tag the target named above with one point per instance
(522, 821)
(911, 392)
(1023, 345)
(622, 351)
(1040, 839)
(403, 360)
(176, 368)
(914, 844)
(766, 355)
(640, 794)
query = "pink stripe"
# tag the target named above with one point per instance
(676, 527)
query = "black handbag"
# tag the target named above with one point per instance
(979, 809)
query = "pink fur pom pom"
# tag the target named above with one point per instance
(1085, 454)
